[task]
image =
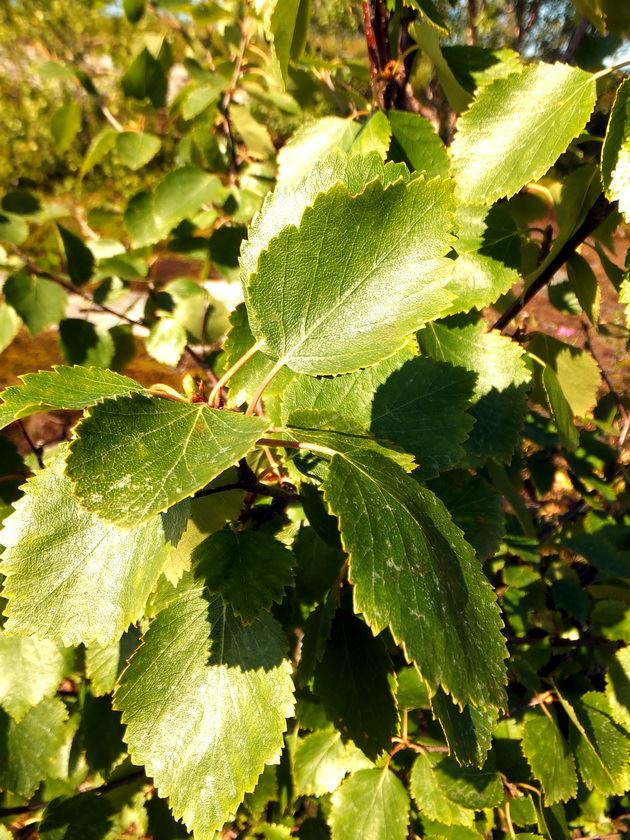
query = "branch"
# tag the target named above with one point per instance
(601, 209)
(101, 307)
(37, 806)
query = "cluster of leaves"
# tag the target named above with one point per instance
(367, 577)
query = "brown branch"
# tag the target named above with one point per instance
(37, 806)
(601, 209)
(101, 307)
(373, 53)
(624, 416)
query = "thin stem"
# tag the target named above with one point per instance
(624, 416)
(215, 394)
(295, 444)
(612, 69)
(111, 119)
(36, 450)
(101, 307)
(251, 408)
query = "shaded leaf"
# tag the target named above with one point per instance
(353, 680)
(145, 79)
(468, 731)
(79, 258)
(249, 569)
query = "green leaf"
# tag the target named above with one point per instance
(321, 761)
(576, 370)
(618, 687)
(601, 747)
(288, 27)
(68, 574)
(166, 341)
(517, 127)
(369, 299)
(181, 194)
(428, 39)
(616, 151)
(38, 302)
(100, 146)
(85, 343)
(145, 79)
(204, 701)
(475, 66)
(134, 10)
(411, 690)
(79, 258)
(549, 757)
(254, 134)
(370, 805)
(201, 97)
(65, 125)
(62, 387)
(105, 663)
(414, 402)
(344, 403)
(10, 323)
(560, 408)
(286, 204)
(468, 731)
(416, 143)
(353, 681)
(249, 569)
(28, 749)
(374, 136)
(137, 148)
(584, 283)
(442, 790)
(476, 508)
(30, 670)
(136, 456)
(312, 142)
(413, 571)
(13, 229)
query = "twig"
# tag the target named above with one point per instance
(601, 209)
(36, 450)
(101, 307)
(624, 416)
(37, 806)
